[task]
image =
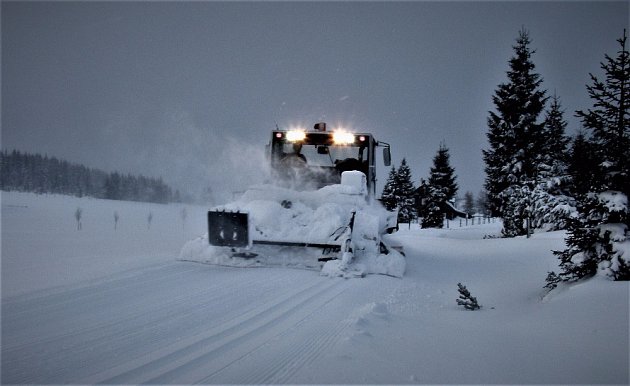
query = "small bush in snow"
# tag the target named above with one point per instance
(466, 299)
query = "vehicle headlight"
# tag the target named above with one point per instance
(343, 138)
(295, 135)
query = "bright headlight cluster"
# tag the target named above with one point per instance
(343, 138)
(295, 135)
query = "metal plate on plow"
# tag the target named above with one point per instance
(228, 229)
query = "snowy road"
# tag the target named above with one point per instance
(171, 323)
(179, 323)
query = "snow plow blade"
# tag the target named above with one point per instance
(231, 229)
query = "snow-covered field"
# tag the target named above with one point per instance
(115, 306)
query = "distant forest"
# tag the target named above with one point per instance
(42, 174)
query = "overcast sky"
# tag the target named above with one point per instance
(190, 90)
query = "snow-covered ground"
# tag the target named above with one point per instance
(115, 306)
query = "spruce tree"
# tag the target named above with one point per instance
(597, 237)
(405, 193)
(551, 202)
(554, 149)
(516, 137)
(441, 188)
(442, 174)
(609, 119)
(433, 208)
(583, 166)
(399, 193)
(388, 196)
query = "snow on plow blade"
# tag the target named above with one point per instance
(228, 229)
(335, 229)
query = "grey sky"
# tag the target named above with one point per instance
(187, 90)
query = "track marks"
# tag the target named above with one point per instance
(95, 329)
(285, 354)
(218, 347)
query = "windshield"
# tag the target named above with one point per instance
(321, 155)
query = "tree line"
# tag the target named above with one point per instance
(42, 174)
(537, 177)
(432, 200)
(540, 178)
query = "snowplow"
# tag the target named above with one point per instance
(320, 211)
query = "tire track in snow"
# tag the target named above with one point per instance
(99, 338)
(280, 369)
(59, 311)
(308, 352)
(82, 293)
(188, 361)
(82, 288)
(261, 337)
(97, 343)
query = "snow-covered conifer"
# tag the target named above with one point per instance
(404, 193)
(433, 208)
(516, 137)
(400, 193)
(555, 147)
(442, 174)
(609, 119)
(440, 188)
(388, 196)
(598, 236)
(551, 210)
(517, 212)
(550, 198)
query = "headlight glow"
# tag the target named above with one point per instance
(295, 135)
(343, 137)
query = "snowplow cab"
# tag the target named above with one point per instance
(316, 158)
